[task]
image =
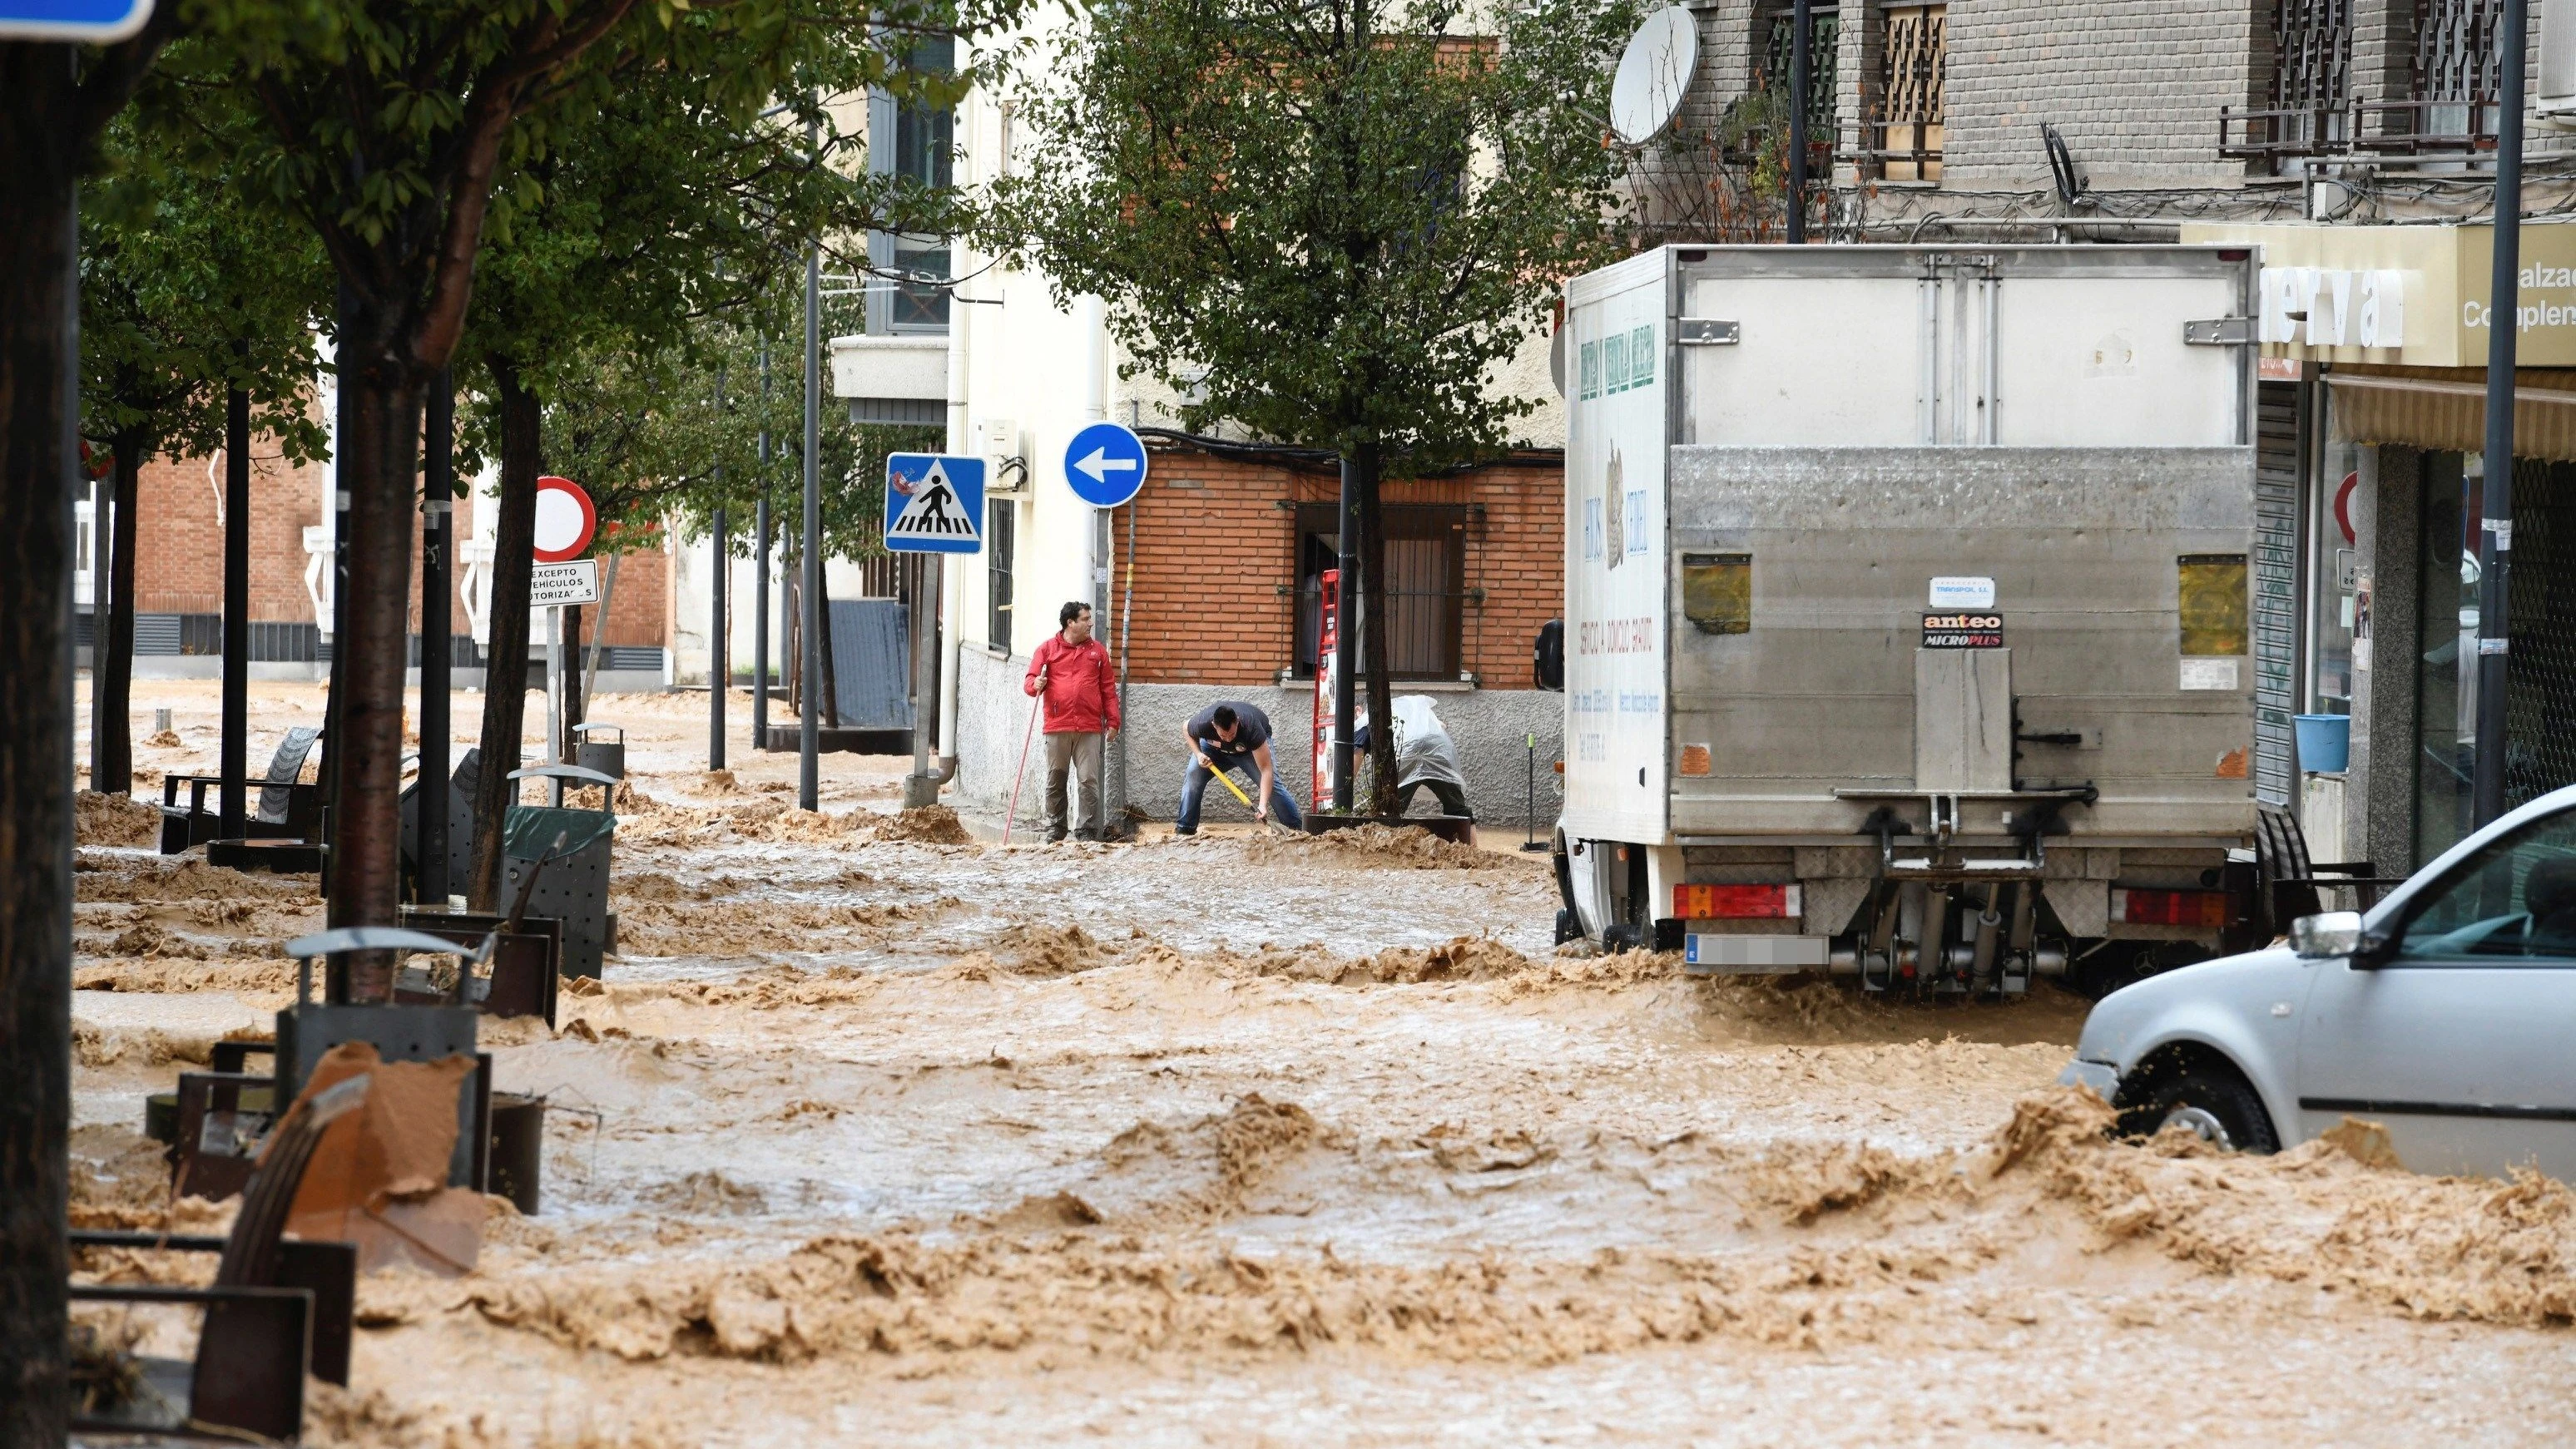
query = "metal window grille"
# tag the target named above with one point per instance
(2540, 680)
(2311, 54)
(1824, 31)
(2456, 74)
(1425, 587)
(2276, 587)
(1913, 56)
(2309, 101)
(1001, 538)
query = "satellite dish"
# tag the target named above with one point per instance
(1654, 71)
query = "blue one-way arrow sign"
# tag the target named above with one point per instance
(95, 21)
(1105, 463)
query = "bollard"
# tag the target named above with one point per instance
(1529, 836)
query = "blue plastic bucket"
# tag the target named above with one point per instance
(2325, 742)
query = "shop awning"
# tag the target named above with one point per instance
(2447, 411)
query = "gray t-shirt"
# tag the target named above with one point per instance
(1251, 732)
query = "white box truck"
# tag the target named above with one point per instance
(1907, 610)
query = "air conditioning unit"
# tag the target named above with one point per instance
(998, 440)
(2554, 97)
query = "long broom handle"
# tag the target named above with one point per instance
(1027, 738)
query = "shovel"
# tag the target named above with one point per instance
(1231, 788)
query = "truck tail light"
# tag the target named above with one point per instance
(2206, 910)
(1735, 902)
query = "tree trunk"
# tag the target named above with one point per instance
(379, 460)
(505, 663)
(111, 744)
(38, 406)
(1381, 694)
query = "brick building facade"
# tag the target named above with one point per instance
(1227, 549)
(1228, 544)
(179, 570)
(2198, 109)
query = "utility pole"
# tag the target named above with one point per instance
(2495, 530)
(760, 575)
(1801, 23)
(234, 764)
(437, 556)
(809, 723)
(719, 672)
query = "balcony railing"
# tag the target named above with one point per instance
(1897, 151)
(2421, 127)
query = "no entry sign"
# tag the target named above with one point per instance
(565, 520)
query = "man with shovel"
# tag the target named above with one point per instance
(1071, 674)
(1225, 736)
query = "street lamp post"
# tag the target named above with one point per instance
(760, 575)
(2495, 529)
(808, 766)
(719, 622)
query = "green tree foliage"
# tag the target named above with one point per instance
(708, 456)
(1326, 222)
(186, 294)
(1329, 221)
(404, 132)
(661, 220)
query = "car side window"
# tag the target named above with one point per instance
(2515, 899)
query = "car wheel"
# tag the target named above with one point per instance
(2213, 1103)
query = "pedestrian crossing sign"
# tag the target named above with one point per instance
(934, 503)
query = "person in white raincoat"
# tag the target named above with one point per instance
(1425, 758)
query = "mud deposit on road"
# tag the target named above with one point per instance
(874, 1136)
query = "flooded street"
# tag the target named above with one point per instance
(871, 1138)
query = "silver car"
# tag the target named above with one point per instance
(2447, 1013)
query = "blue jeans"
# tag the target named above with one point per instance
(1195, 783)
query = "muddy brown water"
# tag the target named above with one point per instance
(1237, 1142)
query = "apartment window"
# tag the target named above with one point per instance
(1779, 37)
(2307, 103)
(1001, 533)
(1913, 54)
(920, 145)
(2455, 75)
(1426, 557)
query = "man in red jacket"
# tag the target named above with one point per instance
(1081, 696)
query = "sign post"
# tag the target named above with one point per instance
(1105, 466)
(566, 520)
(934, 504)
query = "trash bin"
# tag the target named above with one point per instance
(571, 879)
(593, 752)
(2325, 742)
(518, 1147)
